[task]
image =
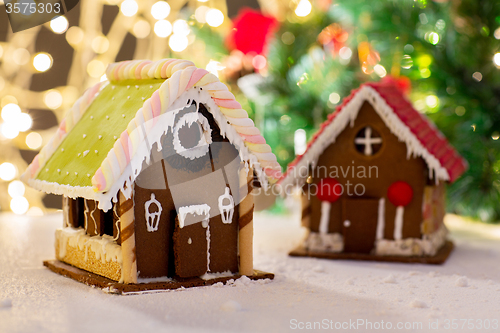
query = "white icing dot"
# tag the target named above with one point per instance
(113, 98)
(96, 151)
(62, 149)
(100, 137)
(85, 153)
(84, 136)
(151, 87)
(67, 172)
(113, 87)
(107, 117)
(46, 170)
(58, 170)
(128, 87)
(190, 241)
(128, 97)
(76, 173)
(123, 115)
(79, 154)
(136, 87)
(88, 175)
(115, 137)
(91, 117)
(143, 98)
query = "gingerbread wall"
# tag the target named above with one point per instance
(393, 165)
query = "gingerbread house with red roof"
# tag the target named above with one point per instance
(373, 181)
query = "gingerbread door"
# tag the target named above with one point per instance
(359, 217)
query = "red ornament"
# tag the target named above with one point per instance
(330, 190)
(400, 193)
(251, 31)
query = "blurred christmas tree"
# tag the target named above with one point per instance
(448, 49)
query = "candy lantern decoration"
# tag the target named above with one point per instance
(399, 194)
(330, 191)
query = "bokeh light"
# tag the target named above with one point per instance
(160, 10)
(178, 43)
(100, 44)
(59, 24)
(74, 35)
(23, 122)
(180, 27)
(96, 68)
(16, 189)
(214, 17)
(53, 99)
(141, 29)
(7, 171)
(303, 8)
(42, 61)
(163, 28)
(34, 140)
(10, 112)
(201, 13)
(19, 205)
(496, 59)
(129, 8)
(21, 56)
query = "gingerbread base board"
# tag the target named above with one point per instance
(438, 259)
(114, 287)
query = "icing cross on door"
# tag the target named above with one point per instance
(152, 217)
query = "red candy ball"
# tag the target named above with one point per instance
(330, 190)
(400, 193)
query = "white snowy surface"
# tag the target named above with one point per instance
(305, 290)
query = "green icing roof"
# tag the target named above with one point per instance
(108, 116)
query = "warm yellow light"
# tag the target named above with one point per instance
(19, 205)
(59, 24)
(202, 0)
(303, 8)
(214, 17)
(2, 83)
(23, 122)
(214, 67)
(21, 56)
(1, 50)
(178, 43)
(74, 35)
(96, 68)
(7, 171)
(10, 112)
(129, 7)
(35, 211)
(201, 13)
(42, 62)
(53, 99)
(8, 99)
(160, 10)
(180, 27)
(334, 98)
(141, 29)
(380, 70)
(16, 189)
(163, 28)
(477, 76)
(9, 131)
(100, 44)
(496, 59)
(432, 101)
(34, 140)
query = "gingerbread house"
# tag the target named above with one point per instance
(155, 167)
(373, 180)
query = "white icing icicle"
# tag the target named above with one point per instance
(201, 210)
(325, 217)
(381, 218)
(398, 223)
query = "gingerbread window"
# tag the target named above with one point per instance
(368, 141)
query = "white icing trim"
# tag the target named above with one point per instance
(152, 219)
(325, 217)
(318, 242)
(201, 148)
(347, 116)
(226, 210)
(428, 245)
(201, 210)
(398, 223)
(208, 247)
(381, 219)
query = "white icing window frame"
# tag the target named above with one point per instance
(201, 148)
(151, 218)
